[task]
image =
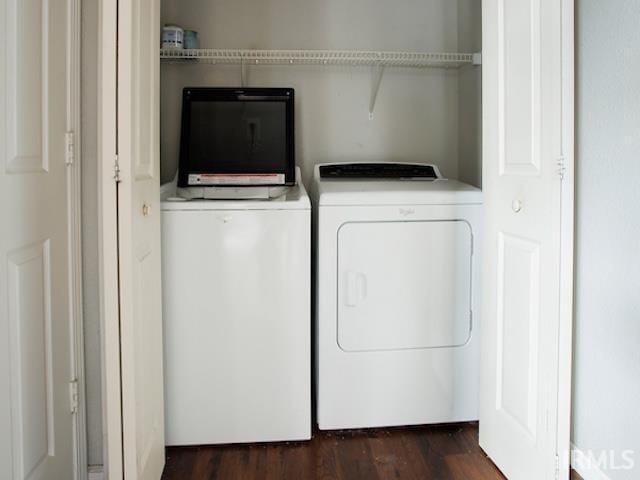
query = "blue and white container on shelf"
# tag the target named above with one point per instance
(172, 37)
(191, 40)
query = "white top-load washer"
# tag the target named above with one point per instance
(237, 319)
(397, 297)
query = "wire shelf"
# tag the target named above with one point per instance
(320, 57)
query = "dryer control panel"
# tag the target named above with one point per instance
(409, 171)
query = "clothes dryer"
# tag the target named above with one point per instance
(397, 272)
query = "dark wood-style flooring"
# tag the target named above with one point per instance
(442, 452)
(435, 452)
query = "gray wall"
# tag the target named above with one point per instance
(90, 230)
(606, 410)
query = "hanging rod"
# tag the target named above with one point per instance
(321, 57)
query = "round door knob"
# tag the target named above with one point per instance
(516, 205)
(145, 209)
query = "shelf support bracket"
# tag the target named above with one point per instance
(375, 86)
(243, 73)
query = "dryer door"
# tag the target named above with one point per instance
(404, 285)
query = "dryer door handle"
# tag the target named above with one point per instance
(355, 288)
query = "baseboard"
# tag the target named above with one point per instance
(583, 465)
(96, 472)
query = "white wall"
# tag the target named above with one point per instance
(606, 410)
(416, 116)
(89, 160)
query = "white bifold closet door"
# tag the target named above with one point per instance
(523, 383)
(36, 353)
(139, 239)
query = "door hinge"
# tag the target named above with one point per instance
(557, 475)
(561, 167)
(116, 170)
(69, 148)
(73, 396)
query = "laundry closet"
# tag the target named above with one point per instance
(373, 82)
(472, 234)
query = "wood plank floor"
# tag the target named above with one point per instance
(447, 452)
(441, 452)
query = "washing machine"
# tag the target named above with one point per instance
(397, 272)
(237, 319)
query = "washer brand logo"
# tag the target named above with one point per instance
(406, 211)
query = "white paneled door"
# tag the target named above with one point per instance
(139, 239)
(36, 425)
(525, 142)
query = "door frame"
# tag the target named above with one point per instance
(108, 239)
(567, 219)
(74, 226)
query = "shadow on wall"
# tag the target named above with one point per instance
(416, 114)
(470, 94)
